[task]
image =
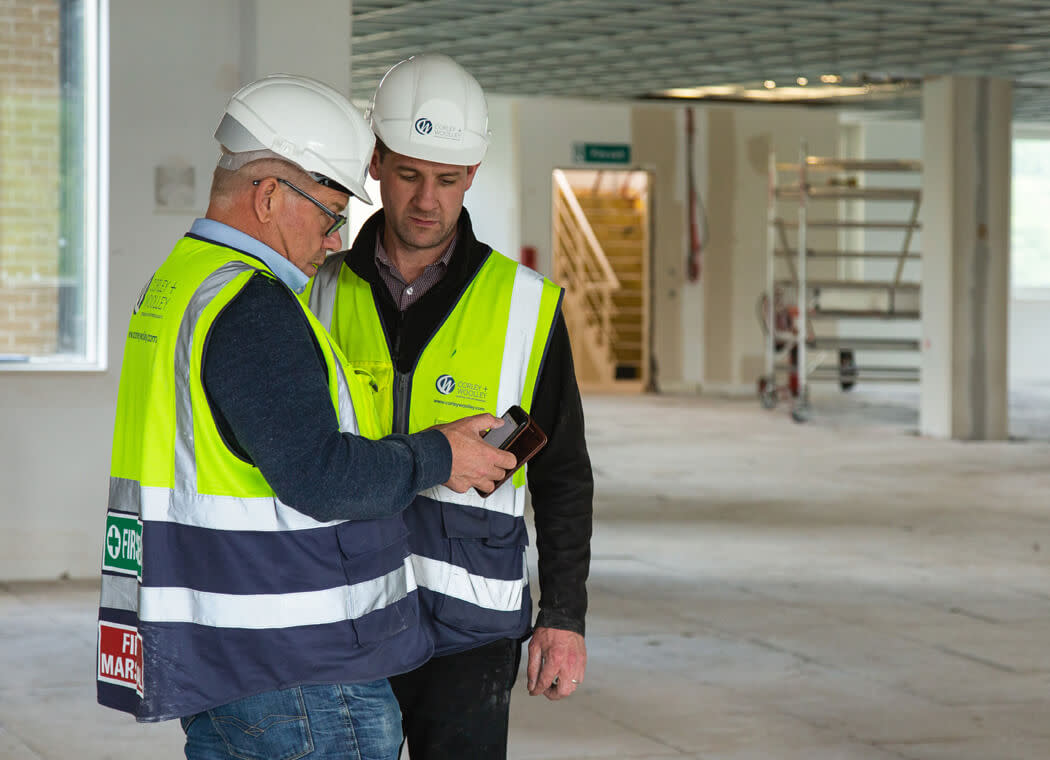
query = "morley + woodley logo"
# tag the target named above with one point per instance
(445, 385)
(424, 126)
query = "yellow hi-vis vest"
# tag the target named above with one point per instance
(212, 588)
(468, 551)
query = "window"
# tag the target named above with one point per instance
(52, 184)
(1029, 222)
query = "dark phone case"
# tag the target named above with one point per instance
(514, 421)
(525, 444)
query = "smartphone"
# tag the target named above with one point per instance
(514, 420)
(520, 435)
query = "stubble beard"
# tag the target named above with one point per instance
(420, 240)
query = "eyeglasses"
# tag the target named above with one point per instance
(338, 220)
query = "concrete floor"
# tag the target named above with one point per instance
(839, 590)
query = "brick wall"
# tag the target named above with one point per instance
(30, 167)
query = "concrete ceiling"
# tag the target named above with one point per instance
(614, 49)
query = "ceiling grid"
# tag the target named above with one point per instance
(613, 49)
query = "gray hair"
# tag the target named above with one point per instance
(236, 171)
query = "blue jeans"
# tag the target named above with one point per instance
(340, 722)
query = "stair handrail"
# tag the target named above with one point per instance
(611, 281)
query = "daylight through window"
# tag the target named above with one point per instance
(51, 194)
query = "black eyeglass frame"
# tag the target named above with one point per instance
(338, 220)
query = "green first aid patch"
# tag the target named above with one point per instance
(123, 550)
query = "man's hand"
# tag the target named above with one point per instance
(475, 464)
(557, 660)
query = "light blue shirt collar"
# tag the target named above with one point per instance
(224, 234)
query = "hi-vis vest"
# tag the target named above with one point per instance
(468, 552)
(212, 589)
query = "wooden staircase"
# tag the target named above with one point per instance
(611, 331)
(621, 227)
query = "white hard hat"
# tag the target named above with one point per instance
(302, 121)
(430, 107)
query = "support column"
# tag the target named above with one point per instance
(965, 257)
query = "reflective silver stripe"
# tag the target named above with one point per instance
(185, 462)
(384, 590)
(263, 513)
(119, 593)
(519, 499)
(452, 580)
(521, 332)
(501, 501)
(125, 495)
(322, 293)
(347, 417)
(260, 611)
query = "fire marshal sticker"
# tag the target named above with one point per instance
(120, 655)
(123, 550)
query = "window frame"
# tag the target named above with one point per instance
(96, 206)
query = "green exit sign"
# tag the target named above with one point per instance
(601, 153)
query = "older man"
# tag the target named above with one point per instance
(256, 581)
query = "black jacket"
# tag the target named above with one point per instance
(559, 477)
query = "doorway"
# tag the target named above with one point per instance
(601, 256)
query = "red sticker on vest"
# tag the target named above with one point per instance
(120, 655)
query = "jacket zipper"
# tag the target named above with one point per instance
(402, 385)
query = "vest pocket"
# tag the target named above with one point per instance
(379, 379)
(364, 391)
(373, 557)
(485, 591)
(474, 524)
(362, 537)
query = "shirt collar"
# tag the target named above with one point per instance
(382, 257)
(224, 234)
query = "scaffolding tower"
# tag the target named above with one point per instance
(847, 290)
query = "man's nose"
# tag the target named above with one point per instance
(426, 195)
(333, 241)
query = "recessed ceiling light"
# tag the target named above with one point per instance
(704, 92)
(769, 91)
(830, 78)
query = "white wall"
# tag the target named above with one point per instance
(547, 129)
(494, 199)
(173, 66)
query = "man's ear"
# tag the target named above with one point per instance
(471, 172)
(373, 165)
(263, 199)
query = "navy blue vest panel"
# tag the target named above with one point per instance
(238, 662)
(486, 543)
(242, 562)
